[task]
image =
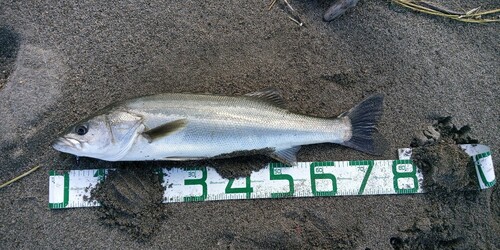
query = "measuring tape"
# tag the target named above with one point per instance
(71, 189)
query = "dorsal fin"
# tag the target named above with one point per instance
(164, 129)
(269, 95)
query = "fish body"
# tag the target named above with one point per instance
(191, 126)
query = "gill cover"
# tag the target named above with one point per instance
(123, 127)
(107, 136)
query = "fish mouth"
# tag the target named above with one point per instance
(64, 144)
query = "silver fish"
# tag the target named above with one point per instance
(193, 126)
(338, 8)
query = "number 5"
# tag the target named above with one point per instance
(275, 173)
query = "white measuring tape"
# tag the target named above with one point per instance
(70, 189)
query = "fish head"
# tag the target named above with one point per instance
(106, 136)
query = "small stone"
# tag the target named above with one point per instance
(420, 139)
(423, 224)
(432, 133)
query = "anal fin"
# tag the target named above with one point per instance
(287, 156)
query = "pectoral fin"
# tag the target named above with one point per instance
(287, 156)
(164, 130)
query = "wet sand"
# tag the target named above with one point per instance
(63, 61)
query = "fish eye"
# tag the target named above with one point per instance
(81, 130)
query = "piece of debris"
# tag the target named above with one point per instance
(19, 177)
(471, 16)
(292, 13)
(444, 164)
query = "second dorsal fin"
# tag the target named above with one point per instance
(269, 95)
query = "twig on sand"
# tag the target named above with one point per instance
(471, 16)
(271, 5)
(292, 13)
(19, 177)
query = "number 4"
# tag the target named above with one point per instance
(248, 190)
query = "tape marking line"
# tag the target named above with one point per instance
(71, 189)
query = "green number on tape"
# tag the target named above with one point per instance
(400, 165)
(367, 172)
(480, 169)
(201, 181)
(65, 190)
(275, 172)
(100, 174)
(317, 174)
(243, 190)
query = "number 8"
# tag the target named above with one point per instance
(399, 175)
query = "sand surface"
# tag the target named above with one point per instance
(62, 61)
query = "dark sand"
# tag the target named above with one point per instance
(446, 167)
(131, 199)
(62, 61)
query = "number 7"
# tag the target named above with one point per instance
(367, 173)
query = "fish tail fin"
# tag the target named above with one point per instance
(364, 118)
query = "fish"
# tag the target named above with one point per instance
(338, 8)
(179, 126)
